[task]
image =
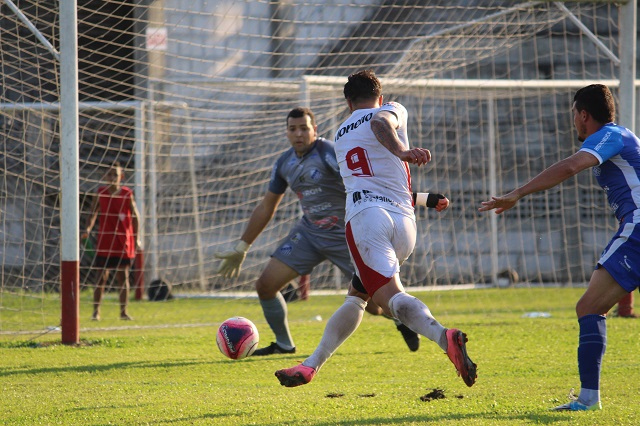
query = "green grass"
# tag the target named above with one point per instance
(166, 369)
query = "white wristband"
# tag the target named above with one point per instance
(242, 246)
(421, 198)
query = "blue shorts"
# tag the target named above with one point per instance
(621, 257)
(304, 249)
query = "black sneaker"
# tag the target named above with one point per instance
(290, 293)
(273, 348)
(410, 337)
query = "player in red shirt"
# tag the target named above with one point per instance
(117, 214)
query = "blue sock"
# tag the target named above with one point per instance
(593, 343)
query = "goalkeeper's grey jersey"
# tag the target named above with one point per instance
(315, 178)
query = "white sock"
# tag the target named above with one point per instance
(589, 396)
(340, 326)
(417, 316)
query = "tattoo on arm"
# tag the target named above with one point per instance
(386, 134)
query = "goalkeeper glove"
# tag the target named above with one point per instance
(232, 260)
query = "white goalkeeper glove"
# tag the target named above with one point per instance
(232, 260)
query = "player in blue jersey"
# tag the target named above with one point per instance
(614, 153)
(310, 169)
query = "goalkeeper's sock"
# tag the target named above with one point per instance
(417, 316)
(340, 326)
(275, 312)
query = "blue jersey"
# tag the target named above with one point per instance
(315, 178)
(618, 152)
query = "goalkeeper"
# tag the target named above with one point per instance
(310, 168)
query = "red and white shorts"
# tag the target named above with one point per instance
(379, 242)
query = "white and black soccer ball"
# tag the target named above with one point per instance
(237, 338)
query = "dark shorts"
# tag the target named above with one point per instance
(113, 262)
(303, 249)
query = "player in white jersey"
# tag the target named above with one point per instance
(309, 168)
(614, 153)
(373, 153)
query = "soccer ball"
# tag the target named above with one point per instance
(237, 338)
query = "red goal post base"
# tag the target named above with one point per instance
(70, 299)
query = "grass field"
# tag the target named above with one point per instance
(164, 368)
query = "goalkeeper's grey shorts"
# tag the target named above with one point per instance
(303, 249)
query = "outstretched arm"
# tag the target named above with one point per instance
(548, 178)
(262, 214)
(384, 125)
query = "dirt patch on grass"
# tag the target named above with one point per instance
(434, 394)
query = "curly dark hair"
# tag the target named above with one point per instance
(362, 85)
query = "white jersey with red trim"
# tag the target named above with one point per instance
(372, 175)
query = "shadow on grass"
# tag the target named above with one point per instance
(93, 368)
(194, 419)
(485, 418)
(6, 372)
(180, 420)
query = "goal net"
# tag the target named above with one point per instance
(191, 97)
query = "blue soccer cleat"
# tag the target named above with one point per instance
(576, 405)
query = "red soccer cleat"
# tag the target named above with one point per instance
(457, 353)
(296, 376)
